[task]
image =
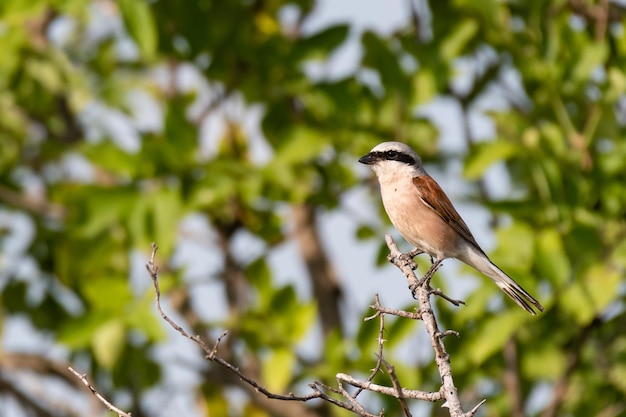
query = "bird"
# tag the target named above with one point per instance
(424, 215)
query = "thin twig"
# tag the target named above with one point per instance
(393, 312)
(211, 352)
(83, 378)
(317, 388)
(474, 410)
(381, 341)
(320, 389)
(391, 391)
(445, 333)
(398, 387)
(438, 292)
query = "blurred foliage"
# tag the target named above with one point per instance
(119, 121)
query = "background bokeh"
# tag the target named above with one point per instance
(228, 132)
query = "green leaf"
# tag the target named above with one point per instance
(602, 282)
(136, 367)
(47, 74)
(516, 247)
(379, 56)
(617, 84)
(278, 368)
(167, 209)
(551, 259)
(139, 220)
(140, 24)
(575, 300)
(494, 332)
(103, 208)
(321, 44)
(259, 275)
(110, 157)
(455, 43)
(619, 254)
(108, 343)
(301, 144)
(617, 375)
(291, 316)
(78, 333)
(422, 135)
(582, 241)
(107, 293)
(592, 292)
(592, 56)
(546, 361)
(424, 86)
(476, 303)
(364, 232)
(400, 328)
(553, 138)
(301, 323)
(216, 403)
(484, 154)
(141, 316)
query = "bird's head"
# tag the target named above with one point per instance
(393, 158)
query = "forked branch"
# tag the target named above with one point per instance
(338, 395)
(422, 291)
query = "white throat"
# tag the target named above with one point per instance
(389, 171)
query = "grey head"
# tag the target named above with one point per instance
(395, 158)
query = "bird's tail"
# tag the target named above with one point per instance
(506, 283)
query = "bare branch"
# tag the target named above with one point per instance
(561, 386)
(211, 352)
(352, 406)
(103, 400)
(29, 402)
(381, 340)
(36, 204)
(323, 277)
(384, 310)
(439, 292)
(422, 291)
(396, 385)
(391, 391)
(474, 410)
(511, 378)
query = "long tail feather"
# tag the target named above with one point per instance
(482, 263)
(513, 290)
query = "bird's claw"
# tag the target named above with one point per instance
(407, 259)
(413, 286)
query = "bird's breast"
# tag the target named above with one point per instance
(419, 224)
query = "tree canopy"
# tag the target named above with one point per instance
(203, 126)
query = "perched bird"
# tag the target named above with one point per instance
(424, 215)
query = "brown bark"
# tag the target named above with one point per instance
(511, 379)
(323, 277)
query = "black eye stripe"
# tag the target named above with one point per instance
(395, 156)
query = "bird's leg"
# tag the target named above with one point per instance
(436, 264)
(425, 280)
(429, 274)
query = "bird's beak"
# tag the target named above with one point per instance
(368, 159)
